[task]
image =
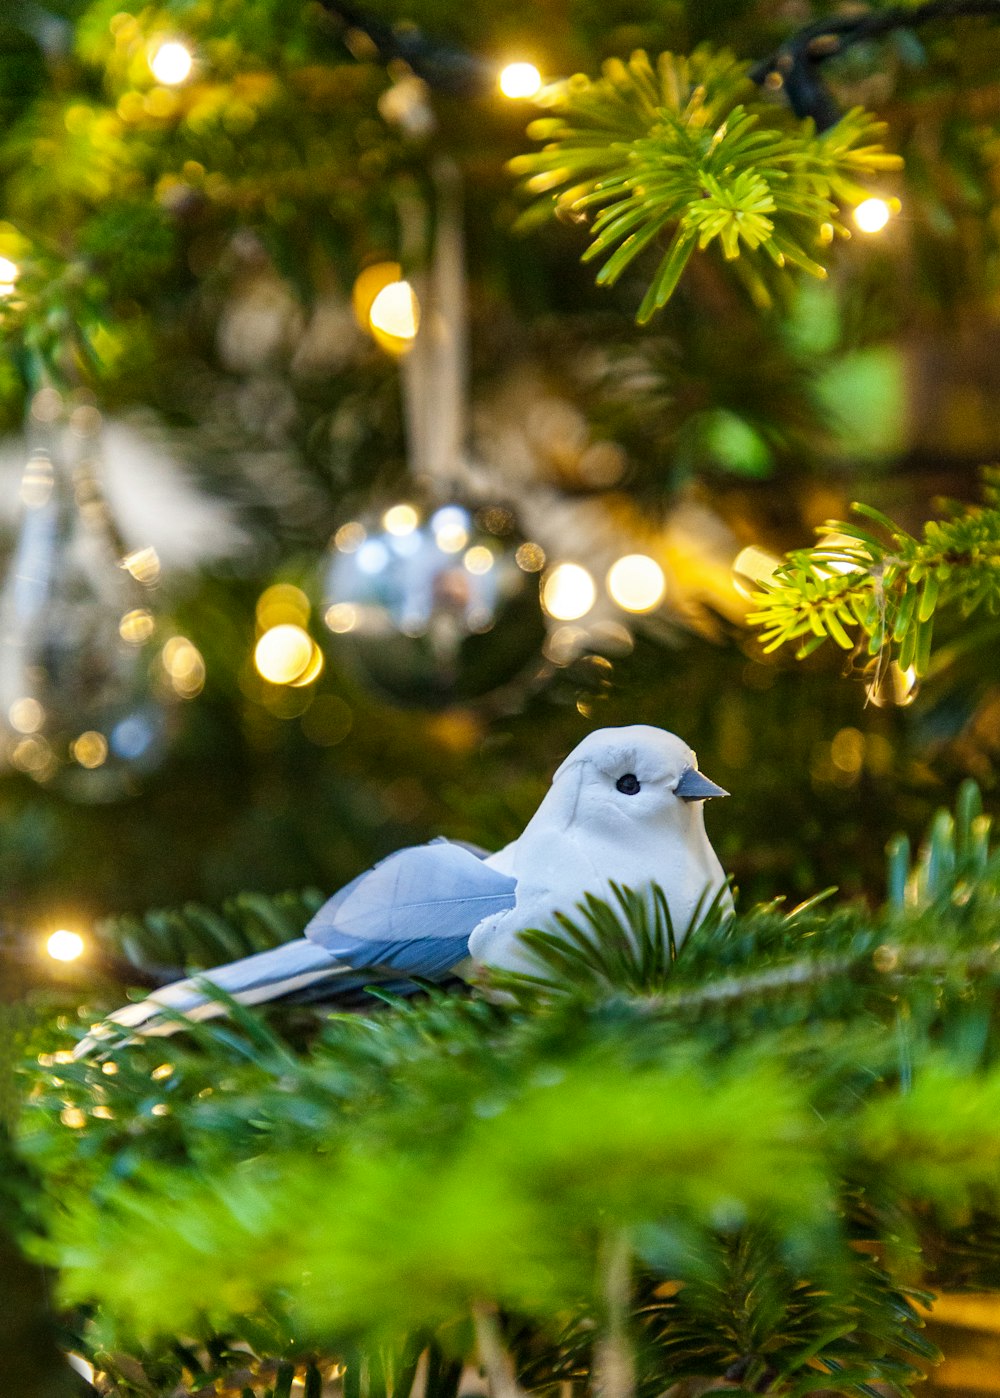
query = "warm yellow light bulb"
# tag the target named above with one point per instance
(395, 311)
(283, 654)
(171, 64)
(872, 215)
(9, 273)
(636, 582)
(519, 80)
(65, 946)
(568, 592)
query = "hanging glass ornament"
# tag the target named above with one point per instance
(432, 606)
(76, 702)
(432, 601)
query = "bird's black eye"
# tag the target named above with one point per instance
(628, 785)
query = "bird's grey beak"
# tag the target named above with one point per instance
(695, 787)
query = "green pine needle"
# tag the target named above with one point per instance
(685, 151)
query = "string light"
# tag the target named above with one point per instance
(520, 80)
(283, 654)
(752, 568)
(400, 520)
(90, 749)
(82, 1366)
(451, 528)
(636, 582)
(183, 662)
(282, 602)
(65, 945)
(26, 715)
(872, 215)
(530, 558)
(312, 671)
(478, 559)
(171, 64)
(395, 311)
(892, 685)
(349, 537)
(9, 273)
(568, 592)
(341, 617)
(137, 626)
(144, 566)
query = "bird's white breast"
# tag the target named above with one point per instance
(555, 868)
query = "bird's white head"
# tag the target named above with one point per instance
(630, 778)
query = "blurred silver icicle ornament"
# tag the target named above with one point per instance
(76, 705)
(429, 600)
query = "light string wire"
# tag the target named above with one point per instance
(794, 67)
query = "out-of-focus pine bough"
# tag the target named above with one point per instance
(687, 149)
(746, 1159)
(879, 592)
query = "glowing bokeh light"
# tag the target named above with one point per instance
(478, 560)
(9, 273)
(752, 568)
(171, 63)
(341, 617)
(349, 537)
(137, 626)
(144, 565)
(33, 755)
(26, 715)
(65, 945)
(401, 520)
(283, 654)
(451, 538)
(312, 671)
(90, 749)
(395, 311)
(568, 592)
(520, 80)
(38, 482)
(636, 582)
(530, 558)
(373, 556)
(451, 528)
(367, 285)
(185, 666)
(872, 215)
(282, 602)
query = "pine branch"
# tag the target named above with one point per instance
(681, 152)
(785, 1089)
(166, 943)
(876, 592)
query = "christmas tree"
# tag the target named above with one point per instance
(385, 408)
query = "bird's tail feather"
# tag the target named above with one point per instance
(268, 975)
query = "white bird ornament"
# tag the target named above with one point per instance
(626, 807)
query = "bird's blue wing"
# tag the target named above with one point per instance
(414, 912)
